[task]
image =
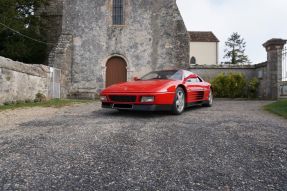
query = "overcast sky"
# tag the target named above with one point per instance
(255, 20)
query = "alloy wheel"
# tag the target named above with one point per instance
(210, 98)
(180, 101)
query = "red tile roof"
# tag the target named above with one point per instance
(202, 36)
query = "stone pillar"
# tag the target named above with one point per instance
(61, 58)
(273, 76)
(51, 14)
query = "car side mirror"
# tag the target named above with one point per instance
(136, 79)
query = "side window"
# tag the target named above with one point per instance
(187, 74)
(192, 80)
(118, 12)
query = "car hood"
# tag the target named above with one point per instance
(140, 86)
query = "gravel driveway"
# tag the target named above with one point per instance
(234, 145)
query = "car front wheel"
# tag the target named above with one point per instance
(179, 102)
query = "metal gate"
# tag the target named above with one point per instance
(55, 83)
(284, 64)
(283, 83)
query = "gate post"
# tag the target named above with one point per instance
(61, 58)
(273, 76)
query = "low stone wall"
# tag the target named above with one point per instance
(19, 81)
(209, 72)
(250, 71)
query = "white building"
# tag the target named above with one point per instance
(203, 48)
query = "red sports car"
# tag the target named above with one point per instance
(167, 90)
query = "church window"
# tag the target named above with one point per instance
(193, 60)
(118, 12)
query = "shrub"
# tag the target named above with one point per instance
(234, 85)
(237, 84)
(219, 83)
(28, 101)
(8, 103)
(40, 97)
(253, 86)
(18, 102)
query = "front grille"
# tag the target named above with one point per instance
(116, 98)
(123, 106)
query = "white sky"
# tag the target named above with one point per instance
(255, 20)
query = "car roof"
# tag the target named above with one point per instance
(174, 70)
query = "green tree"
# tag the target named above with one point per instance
(235, 50)
(18, 16)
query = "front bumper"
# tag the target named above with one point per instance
(137, 107)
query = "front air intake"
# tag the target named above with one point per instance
(125, 99)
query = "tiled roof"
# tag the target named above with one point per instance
(202, 36)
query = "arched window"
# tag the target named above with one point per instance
(118, 12)
(193, 60)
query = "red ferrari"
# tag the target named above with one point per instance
(167, 90)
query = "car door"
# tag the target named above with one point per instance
(195, 89)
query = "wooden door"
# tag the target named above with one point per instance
(116, 71)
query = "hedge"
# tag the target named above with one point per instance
(234, 85)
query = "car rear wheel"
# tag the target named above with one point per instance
(210, 100)
(179, 102)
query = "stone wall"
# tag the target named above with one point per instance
(208, 72)
(20, 81)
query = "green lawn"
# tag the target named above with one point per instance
(279, 108)
(51, 103)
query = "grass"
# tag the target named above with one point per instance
(279, 108)
(57, 103)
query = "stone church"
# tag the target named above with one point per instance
(97, 43)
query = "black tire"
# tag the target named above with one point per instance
(179, 102)
(210, 100)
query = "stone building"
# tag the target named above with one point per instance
(102, 42)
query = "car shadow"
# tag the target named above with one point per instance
(132, 114)
(194, 108)
(141, 114)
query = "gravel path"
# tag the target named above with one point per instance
(234, 145)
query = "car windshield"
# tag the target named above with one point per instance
(163, 75)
